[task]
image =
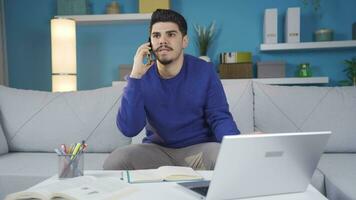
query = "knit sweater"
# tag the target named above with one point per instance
(187, 109)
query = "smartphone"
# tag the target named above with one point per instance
(150, 55)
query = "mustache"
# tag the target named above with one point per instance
(163, 47)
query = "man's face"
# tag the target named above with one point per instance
(167, 42)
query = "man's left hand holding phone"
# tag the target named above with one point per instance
(140, 67)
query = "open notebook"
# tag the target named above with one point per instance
(164, 173)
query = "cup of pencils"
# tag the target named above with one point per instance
(71, 160)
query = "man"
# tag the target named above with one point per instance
(179, 100)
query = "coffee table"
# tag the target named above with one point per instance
(172, 191)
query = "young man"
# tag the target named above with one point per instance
(179, 99)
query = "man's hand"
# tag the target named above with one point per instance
(139, 68)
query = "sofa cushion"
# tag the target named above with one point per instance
(3, 143)
(318, 181)
(340, 175)
(308, 108)
(41, 121)
(15, 175)
(240, 99)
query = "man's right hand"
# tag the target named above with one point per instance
(139, 68)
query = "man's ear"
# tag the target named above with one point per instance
(185, 41)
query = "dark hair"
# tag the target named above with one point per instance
(165, 15)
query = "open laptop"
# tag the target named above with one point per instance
(262, 164)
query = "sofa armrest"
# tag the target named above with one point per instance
(3, 142)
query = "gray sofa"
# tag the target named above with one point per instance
(33, 123)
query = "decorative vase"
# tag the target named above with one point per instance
(322, 35)
(206, 58)
(304, 70)
(113, 8)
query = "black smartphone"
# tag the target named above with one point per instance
(150, 55)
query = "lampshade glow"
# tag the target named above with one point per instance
(64, 63)
(64, 83)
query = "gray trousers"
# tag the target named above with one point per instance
(148, 156)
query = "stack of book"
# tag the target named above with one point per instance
(236, 65)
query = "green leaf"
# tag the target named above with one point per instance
(205, 37)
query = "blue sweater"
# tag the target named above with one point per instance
(187, 109)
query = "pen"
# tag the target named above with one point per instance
(71, 148)
(76, 149)
(64, 148)
(80, 150)
(60, 153)
(83, 146)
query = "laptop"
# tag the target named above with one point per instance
(262, 164)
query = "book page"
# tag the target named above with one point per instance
(178, 173)
(143, 176)
(44, 192)
(103, 188)
(39, 194)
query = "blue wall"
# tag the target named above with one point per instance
(101, 48)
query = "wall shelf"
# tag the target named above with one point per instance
(308, 45)
(283, 81)
(293, 80)
(108, 18)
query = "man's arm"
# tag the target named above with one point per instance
(131, 118)
(217, 109)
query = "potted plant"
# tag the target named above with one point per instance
(205, 37)
(323, 33)
(350, 71)
(314, 3)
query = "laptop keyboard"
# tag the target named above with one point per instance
(201, 190)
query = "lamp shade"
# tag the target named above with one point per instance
(64, 63)
(64, 83)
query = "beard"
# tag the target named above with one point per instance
(163, 61)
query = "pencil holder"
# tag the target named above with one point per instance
(70, 166)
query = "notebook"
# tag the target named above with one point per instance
(262, 164)
(163, 173)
